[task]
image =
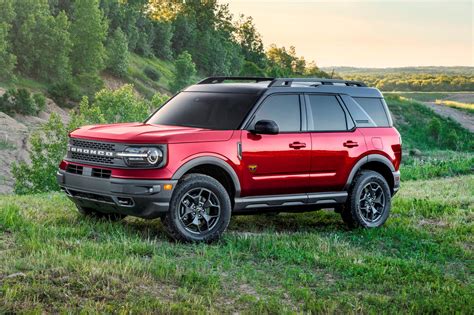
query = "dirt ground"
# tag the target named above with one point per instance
(465, 119)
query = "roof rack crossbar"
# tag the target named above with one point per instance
(212, 80)
(287, 82)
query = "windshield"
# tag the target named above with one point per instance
(220, 111)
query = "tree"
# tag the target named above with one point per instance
(53, 45)
(88, 33)
(117, 53)
(7, 59)
(163, 34)
(250, 41)
(185, 70)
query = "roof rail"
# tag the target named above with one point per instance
(212, 80)
(317, 81)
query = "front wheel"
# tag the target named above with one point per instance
(200, 210)
(369, 201)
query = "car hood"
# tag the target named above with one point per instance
(149, 133)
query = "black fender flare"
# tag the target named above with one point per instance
(364, 160)
(183, 169)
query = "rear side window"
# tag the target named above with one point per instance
(375, 109)
(283, 109)
(326, 113)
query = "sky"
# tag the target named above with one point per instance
(367, 33)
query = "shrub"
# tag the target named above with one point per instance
(40, 101)
(64, 92)
(434, 128)
(48, 147)
(22, 102)
(152, 74)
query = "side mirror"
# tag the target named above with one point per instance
(266, 127)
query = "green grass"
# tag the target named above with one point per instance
(437, 164)
(421, 261)
(413, 121)
(144, 84)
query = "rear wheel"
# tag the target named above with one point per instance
(91, 213)
(200, 210)
(369, 201)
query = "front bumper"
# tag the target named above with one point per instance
(140, 198)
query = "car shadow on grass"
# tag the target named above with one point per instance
(287, 223)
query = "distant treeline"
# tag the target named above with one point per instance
(415, 82)
(68, 43)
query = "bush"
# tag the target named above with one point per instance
(22, 102)
(434, 128)
(152, 74)
(48, 147)
(63, 93)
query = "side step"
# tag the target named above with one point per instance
(261, 202)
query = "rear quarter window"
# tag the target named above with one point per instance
(375, 108)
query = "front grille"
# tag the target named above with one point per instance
(93, 145)
(101, 173)
(92, 158)
(74, 169)
(91, 196)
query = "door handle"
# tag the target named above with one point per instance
(350, 144)
(297, 145)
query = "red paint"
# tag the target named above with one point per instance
(285, 163)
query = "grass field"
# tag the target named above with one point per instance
(421, 261)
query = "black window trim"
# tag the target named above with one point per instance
(347, 115)
(303, 116)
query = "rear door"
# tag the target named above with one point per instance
(277, 164)
(336, 143)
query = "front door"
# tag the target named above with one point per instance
(277, 164)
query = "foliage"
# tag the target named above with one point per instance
(436, 164)
(416, 81)
(41, 41)
(88, 33)
(7, 59)
(432, 132)
(47, 147)
(50, 142)
(290, 263)
(152, 73)
(185, 70)
(20, 101)
(64, 92)
(251, 41)
(251, 69)
(117, 53)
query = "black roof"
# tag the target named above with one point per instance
(259, 85)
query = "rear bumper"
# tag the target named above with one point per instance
(396, 182)
(140, 198)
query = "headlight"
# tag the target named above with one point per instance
(142, 156)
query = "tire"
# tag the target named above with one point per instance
(91, 213)
(200, 210)
(369, 201)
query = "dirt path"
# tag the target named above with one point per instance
(466, 120)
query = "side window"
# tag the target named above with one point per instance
(327, 113)
(375, 108)
(283, 109)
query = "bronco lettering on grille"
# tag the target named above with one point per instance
(90, 151)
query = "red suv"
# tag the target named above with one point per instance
(250, 145)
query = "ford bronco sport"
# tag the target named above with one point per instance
(220, 148)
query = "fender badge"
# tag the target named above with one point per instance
(252, 168)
